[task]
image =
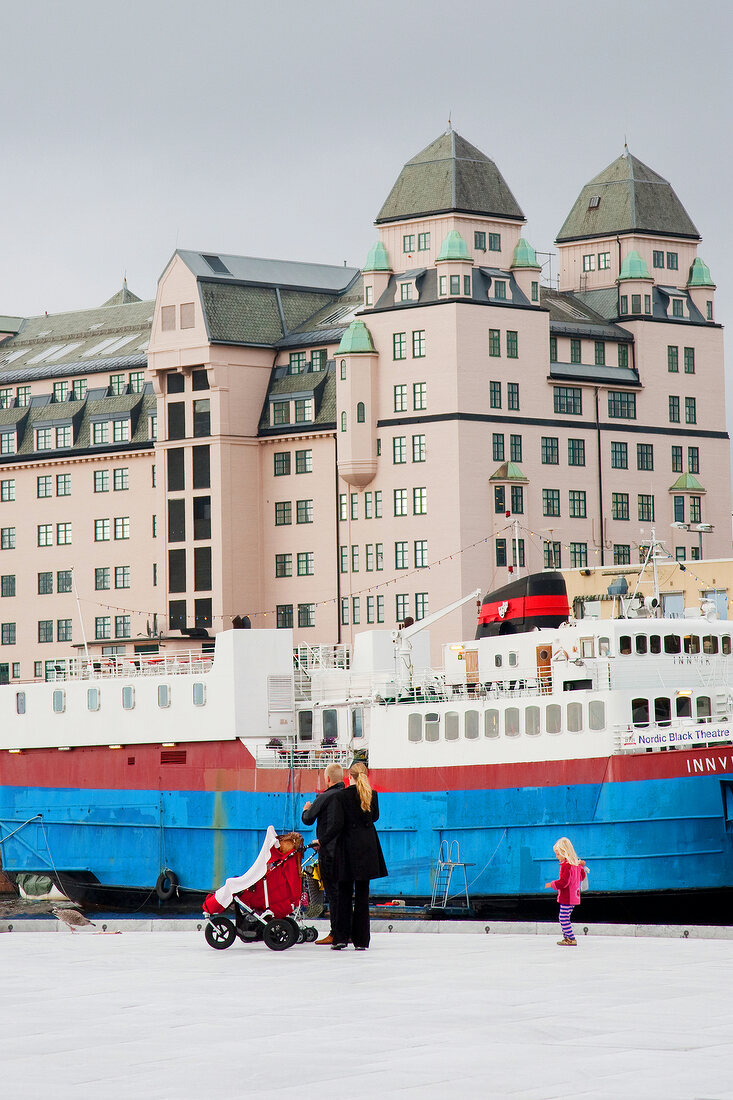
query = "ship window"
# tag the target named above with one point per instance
(703, 706)
(452, 725)
(710, 644)
(199, 695)
(164, 695)
(684, 706)
(553, 718)
(497, 660)
(92, 698)
(511, 722)
(59, 702)
(491, 723)
(305, 725)
(725, 644)
(596, 714)
(604, 647)
(624, 645)
(672, 643)
(513, 660)
(691, 643)
(575, 717)
(641, 643)
(471, 725)
(655, 644)
(532, 721)
(640, 712)
(330, 725)
(586, 647)
(432, 726)
(414, 728)
(662, 711)
(128, 697)
(20, 702)
(357, 722)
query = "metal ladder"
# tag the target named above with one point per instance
(449, 860)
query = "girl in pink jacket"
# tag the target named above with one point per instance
(572, 873)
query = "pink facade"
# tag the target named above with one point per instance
(338, 449)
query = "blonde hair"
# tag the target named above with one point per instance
(334, 772)
(358, 773)
(564, 851)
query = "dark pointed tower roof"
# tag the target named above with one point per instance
(449, 175)
(627, 197)
(122, 297)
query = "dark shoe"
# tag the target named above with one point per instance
(338, 946)
(360, 948)
(326, 939)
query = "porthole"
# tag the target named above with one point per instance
(511, 722)
(164, 695)
(414, 728)
(532, 721)
(452, 725)
(20, 702)
(199, 695)
(597, 714)
(128, 697)
(553, 718)
(432, 727)
(575, 717)
(59, 702)
(491, 723)
(93, 699)
(471, 725)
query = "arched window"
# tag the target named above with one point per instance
(343, 421)
(343, 369)
(360, 413)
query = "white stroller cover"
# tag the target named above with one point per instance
(233, 886)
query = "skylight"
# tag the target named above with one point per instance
(216, 264)
(45, 353)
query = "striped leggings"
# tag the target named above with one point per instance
(565, 925)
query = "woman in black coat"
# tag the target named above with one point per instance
(357, 859)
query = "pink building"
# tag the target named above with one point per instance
(339, 448)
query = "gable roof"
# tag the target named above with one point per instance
(450, 174)
(627, 197)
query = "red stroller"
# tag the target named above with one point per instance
(267, 899)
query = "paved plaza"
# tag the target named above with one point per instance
(159, 1014)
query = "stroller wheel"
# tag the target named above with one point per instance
(311, 934)
(279, 935)
(220, 933)
(301, 935)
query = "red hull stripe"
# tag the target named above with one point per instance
(525, 607)
(229, 766)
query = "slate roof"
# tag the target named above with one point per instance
(631, 198)
(320, 384)
(450, 174)
(326, 278)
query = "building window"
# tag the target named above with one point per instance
(553, 349)
(7, 538)
(63, 534)
(479, 241)
(646, 508)
(623, 355)
(306, 564)
(63, 485)
(44, 439)
(550, 450)
(576, 452)
(137, 381)
(421, 553)
(677, 307)
(501, 552)
(400, 399)
(101, 578)
(621, 554)
(518, 544)
(600, 353)
(693, 460)
(494, 242)
(122, 527)
(418, 448)
(63, 630)
(575, 351)
(45, 534)
(421, 605)
(7, 585)
(399, 449)
(499, 499)
(306, 614)
(673, 358)
(45, 584)
(419, 501)
(297, 363)
(45, 630)
(497, 444)
(443, 284)
(101, 530)
(644, 456)
(499, 290)
(515, 448)
(636, 303)
(284, 616)
(535, 291)
(120, 432)
(282, 463)
(399, 345)
(63, 437)
(23, 396)
(283, 513)
(304, 462)
(455, 284)
(621, 405)
(400, 502)
(709, 310)
(6, 398)
(512, 396)
(495, 395)
(690, 410)
(343, 559)
(354, 559)
(679, 509)
(122, 576)
(405, 292)
(568, 399)
(576, 504)
(494, 342)
(553, 555)
(408, 242)
(419, 395)
(360, 413)
(402, 607)
(672, 261)
(418, 344)
(589, 262)
(619, 505)
(695, 509)
(44, 487)
(423, 242)
(677, 460)
(304, 511)
(303, 411)
(604, 261)
(550, 502)
(117, 385)
(512, 344)
(100, 432)
(657, 258)
(64, 581)
(517, 499)
(378, 504)
(401, 555)
(122, 478)
(674, 409)
(283, 565)
(689, 360)
(7, 489)
(578, 555)
(8, 635)
(368, 295)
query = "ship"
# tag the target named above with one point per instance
(160, 775)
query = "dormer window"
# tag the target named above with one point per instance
(500, 289)
(678, 309)
(297, 362)
(8, 442)
(405, 292)
(280, 412)
(303, 409)
(594, 202)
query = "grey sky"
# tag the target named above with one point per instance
(277, 129)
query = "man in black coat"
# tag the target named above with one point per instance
(321, 811)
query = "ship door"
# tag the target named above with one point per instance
(471, 659)
(544, 668)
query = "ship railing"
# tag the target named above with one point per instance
(308, 658)
(180, 664)
(301, 758)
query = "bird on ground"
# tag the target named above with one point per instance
(72, 918)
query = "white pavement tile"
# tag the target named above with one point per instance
(432, 1017)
